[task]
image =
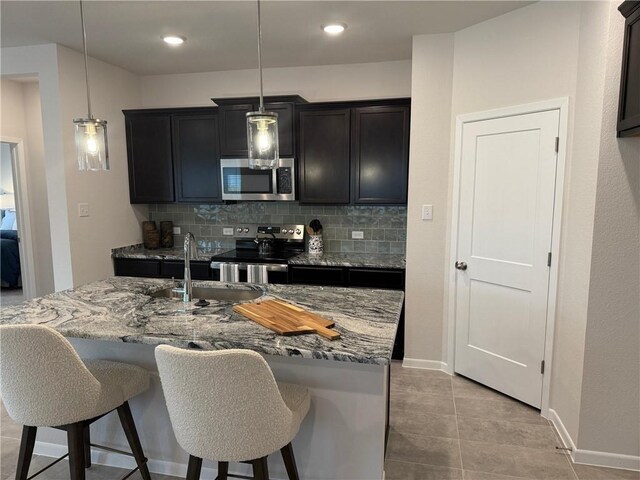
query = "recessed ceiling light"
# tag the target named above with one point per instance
(334, 28)
(173, 39)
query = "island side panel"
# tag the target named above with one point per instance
(342, 436)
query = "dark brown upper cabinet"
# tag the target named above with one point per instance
(354, 152)
(196, 158)
(323, 161)
(233, 123)
(629, 103)
(173, 155)
(380, 154)
(149, 153)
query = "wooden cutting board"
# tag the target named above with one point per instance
(287, 319)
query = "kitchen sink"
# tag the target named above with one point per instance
(219, 294)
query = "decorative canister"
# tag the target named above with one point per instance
(150, 235)
(166, 234)
(316, 245)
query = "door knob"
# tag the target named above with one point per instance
(461, 265)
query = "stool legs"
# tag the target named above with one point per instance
(27, 443)
(260, 469)
(289, 462)
(75, 439)
(194, 467)
(87, 446)
(223, 470)
(129, 427)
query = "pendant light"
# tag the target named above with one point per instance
(90, 133)
(262, 127)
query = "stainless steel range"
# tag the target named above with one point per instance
(270, 246)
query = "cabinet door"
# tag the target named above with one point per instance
(317, 275)
(196, 158)
(233, 129)
(133, 267)
(324, 156)
(380, 155)
(286, 132)
(629, 106)
(149, 155)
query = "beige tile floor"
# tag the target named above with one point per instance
(445, 427)
(442, 428)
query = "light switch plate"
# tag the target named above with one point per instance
(427, 212)
(227, 231)
(177, 231)
(355, 235)
(83, 209)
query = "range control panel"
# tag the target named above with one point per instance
(285, 232)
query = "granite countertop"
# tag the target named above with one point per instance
(370, 260)
(175, 253)
(120, 309)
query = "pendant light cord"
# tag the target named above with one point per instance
(259, 58)
(86, 61)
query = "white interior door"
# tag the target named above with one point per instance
(507, 188)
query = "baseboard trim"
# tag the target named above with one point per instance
(425, 364)
(111, 459)
(590, 457)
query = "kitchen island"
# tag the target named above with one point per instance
(343, 435)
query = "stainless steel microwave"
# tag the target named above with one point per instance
(239, 182)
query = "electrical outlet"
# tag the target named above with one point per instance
(427, 212)
(227, 231)
(83, 209)
(177, 231)
(355, 235)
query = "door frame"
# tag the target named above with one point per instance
(562, 105)
(20, 183)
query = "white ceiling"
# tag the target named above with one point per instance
(221, 35)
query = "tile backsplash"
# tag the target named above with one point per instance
(384, 227)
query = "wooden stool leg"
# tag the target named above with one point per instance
(26, 452)
(290, 462)
(87, 446)
(194, 467)
(129, 427)
(260, 469)
(75, 439)
(223, 470)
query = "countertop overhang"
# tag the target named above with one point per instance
(120, 309)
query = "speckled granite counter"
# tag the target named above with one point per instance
(120, 309)
(176, 253)
(369, 260)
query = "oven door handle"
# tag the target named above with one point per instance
(271, 267)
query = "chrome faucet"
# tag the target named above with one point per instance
(189, 245)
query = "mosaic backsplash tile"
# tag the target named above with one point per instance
(384, 228)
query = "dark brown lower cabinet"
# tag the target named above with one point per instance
(389, 279)
(134, 267)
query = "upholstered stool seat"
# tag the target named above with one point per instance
(226, 406)
(44, 383)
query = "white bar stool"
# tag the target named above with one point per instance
(44, 383)
(226, 406)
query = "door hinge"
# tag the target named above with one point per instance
(542, 367)
(557, 144)
(549, 259)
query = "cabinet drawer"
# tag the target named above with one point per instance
(175, 269)
(133, 267)
(376, 278)
(318, 275)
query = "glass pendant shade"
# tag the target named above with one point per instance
(91, 144)
(262, 140)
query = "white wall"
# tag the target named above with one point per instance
(610, 406)
(81, 246)
(21, 118)
(318, 83)
(113, 221)
(431, 84)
